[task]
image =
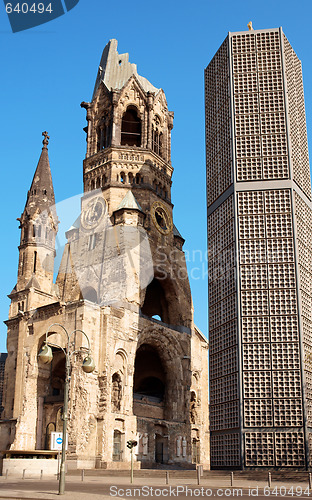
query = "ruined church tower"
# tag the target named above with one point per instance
(122, 280)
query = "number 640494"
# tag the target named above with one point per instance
(25, 8)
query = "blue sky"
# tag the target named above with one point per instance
(47, 71)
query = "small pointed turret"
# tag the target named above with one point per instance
(129, 211)
(41, 193)
(38, 224)
(129, 202)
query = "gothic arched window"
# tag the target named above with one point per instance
(157, 137)
(131, 128)
(98, 139)
(35, 262)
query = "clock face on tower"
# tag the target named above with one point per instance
(93, 213)
(161, 218)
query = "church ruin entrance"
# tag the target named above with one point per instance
(150, 404)
(149, 376)
(161, 449)
(50, 385)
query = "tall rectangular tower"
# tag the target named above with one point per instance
(260, 254)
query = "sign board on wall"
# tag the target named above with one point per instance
(57, 441)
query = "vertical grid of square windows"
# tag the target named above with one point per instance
(297, 119)
(224, 397)
(274, 251)
(259, 108)
(270, 353)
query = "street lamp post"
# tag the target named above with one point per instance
(45, 356)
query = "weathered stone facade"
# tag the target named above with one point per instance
(122, 280)
(3, 357)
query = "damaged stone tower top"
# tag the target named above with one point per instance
(115, 69)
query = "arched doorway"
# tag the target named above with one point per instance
(149, 375)
(50, 428)
(57, 374)
(161, 449)
(149, 404)
(50, 385)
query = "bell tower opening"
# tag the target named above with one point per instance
(131, 128)
(162, 302)
(155, 303)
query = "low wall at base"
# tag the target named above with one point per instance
(119, 465)
(83, 463)
(32, 467)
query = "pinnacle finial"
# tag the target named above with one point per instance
(250, 26)
(45, 141)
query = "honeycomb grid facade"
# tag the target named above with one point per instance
(259, 254)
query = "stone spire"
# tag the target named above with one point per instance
(41, 193)
(38, 224)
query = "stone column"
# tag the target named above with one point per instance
(102, 145)
(87, 107)
(150, 96)
(89, 133)
(106, 128)
(115, 131)
(170, 127)
(39, 423)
